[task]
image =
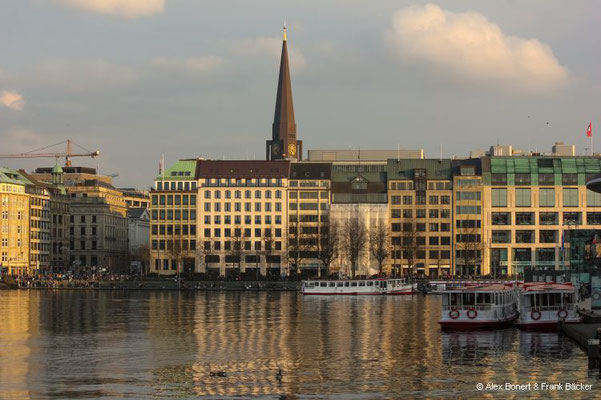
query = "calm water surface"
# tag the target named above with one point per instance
(89, 344)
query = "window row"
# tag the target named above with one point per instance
(420, 213)
(227, 207)
(171, 215)
(545, 218)
(243, 232)
(185, 199)
(176, 186)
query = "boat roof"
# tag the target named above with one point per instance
(537, 287)
(495, 287)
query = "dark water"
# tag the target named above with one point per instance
(87, 344)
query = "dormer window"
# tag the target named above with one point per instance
(359, 183)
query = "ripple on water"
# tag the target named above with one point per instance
(84, 344)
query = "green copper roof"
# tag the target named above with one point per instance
(544, 165)
(57, 168)
(10, 176)
(182, 170)
(404, 168)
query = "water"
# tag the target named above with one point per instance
(100, 344)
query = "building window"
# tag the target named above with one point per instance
(524, 236)
(546, 179)
(548, 218)
(499, 197)
(569, 179)
(501, 218)
(572, 218)
(522, 198)
(522, 179)
(501, 236)
(463, 210)
(547, 236)
(570, 197)
(593, 218)
(524, 218)
(547, 197)
(469, 195)
(593, 199)
(498, 179)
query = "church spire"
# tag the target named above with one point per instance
(283, 143)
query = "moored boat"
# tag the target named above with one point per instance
(543, 305)
(379, 286)
(399, 286)
(343, 287)
(479, 306)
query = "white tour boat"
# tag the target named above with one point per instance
(377, 286)
(479, 306)
(397, 286)
(543, 304)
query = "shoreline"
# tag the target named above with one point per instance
(208, 286)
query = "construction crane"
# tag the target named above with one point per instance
(68, 154)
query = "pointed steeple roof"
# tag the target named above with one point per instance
(284, 124)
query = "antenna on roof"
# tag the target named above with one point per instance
(440, 151)
(398, 153)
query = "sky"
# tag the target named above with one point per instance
(197, 78)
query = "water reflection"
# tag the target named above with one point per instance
(475, 348)
(81, 344)
(546, 346)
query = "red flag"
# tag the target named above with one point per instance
(589, 131)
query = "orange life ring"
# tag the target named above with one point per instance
(562, 313)
(472, 313)
(535, 315)
(454, 313)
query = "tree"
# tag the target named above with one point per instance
(354, 238)
(205, 251)
(142, 254)
(409, 244)
(379, 243)
(268, 243)
(328, 243)
(176, 251)
(237, 247)
(470, 247)
(295, 245)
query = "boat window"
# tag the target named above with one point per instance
(361, 283)
(483, 298)
(468, 299)
(339, 284)
(323, 284)
(370, 283)
(454, 299)
(346, 284)
(353, 283)
(332, 284)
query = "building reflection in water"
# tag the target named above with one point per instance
(88, 344)
(18, 325)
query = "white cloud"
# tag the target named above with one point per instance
(194, 65)
(12, 100)
(470, 46)
(80, 76)
(272, 47)
(122, 8)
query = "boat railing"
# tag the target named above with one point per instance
(479, 307)
(551, 308)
